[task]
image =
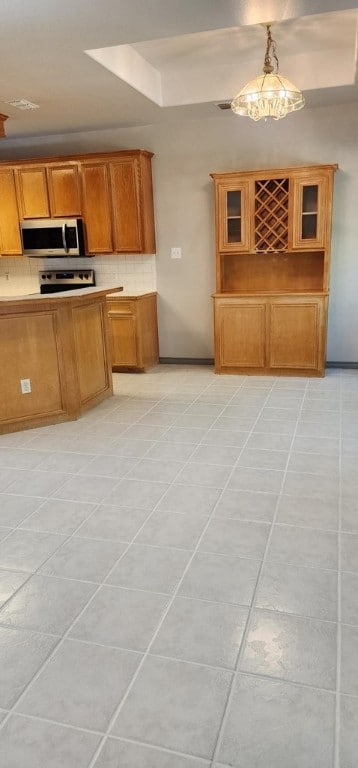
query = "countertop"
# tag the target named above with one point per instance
(133, 294)
(64, 295)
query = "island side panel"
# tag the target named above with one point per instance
(91, 351)
(61, 350)
(30, 348)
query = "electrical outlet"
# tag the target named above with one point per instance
(175, 253)
(25, 386)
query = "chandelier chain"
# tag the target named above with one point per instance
(270, 51)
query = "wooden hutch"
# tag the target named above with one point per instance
(273, 237)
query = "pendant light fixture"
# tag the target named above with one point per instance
(270, 94)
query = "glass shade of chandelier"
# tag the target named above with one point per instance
(270, 94)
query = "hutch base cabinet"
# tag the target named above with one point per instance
(270, 334)
(273, 235)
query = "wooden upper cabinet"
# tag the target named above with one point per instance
(48, 190)
(97, 207)
(132, 203)
(311, 210)
(111, 190)
(10, 239)
(233, 216)
(63, 190)
(126, 205)
(117, 203)
(32, 197)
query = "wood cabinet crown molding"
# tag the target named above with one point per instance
(76, 158)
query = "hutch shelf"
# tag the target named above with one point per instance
(273, 238)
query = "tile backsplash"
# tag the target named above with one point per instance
(20, 275)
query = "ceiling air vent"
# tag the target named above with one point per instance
(224, 105)
(22, 104)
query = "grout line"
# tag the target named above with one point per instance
(18, 528)
(84, 608)
(239, 449)
(165, 750)
(164, 615)
(251, 612)
(339, 602)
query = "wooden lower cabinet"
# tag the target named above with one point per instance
(133, 330)
(279, 335)
(240, 334)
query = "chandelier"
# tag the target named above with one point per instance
(270, 94)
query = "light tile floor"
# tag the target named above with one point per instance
(179, 577)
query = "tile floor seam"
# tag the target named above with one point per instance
(30, 573)
(208, 385)
(87, 604)
(337, 729)
(166, 750)
(283, 524)
(276, 562)
(176, 418)
(165, 613)
(61, 637)
(139, 459)
(68, 726)
(294, 683)
(220, 735)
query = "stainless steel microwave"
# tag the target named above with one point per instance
(52, 237)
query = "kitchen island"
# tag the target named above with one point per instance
(54, 357)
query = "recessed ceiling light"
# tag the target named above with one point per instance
(22, 104)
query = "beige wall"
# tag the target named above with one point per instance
(185, 154)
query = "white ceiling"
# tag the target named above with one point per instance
(163, 59)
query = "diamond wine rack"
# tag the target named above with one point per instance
(271, 215)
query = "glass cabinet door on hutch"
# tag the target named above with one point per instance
(233, 225)
(309, 202)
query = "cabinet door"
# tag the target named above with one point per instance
(10, 239)
(96, 207)
(233, 222)
(63, 190)
(122, 316)
(297, 333)
(310, 214)
(31, 185)
(125, 190)
(240, 334)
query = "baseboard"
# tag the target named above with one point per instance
(210, 361)
(187, 360)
